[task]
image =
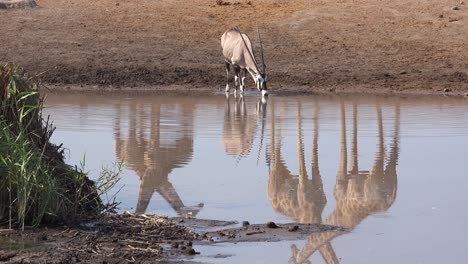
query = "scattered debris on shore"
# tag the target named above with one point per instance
(138, 238)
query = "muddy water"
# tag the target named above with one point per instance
(390, 170)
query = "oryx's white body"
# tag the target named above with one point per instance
(238, 52)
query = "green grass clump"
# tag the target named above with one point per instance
(36, 186)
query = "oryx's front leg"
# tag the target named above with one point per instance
(242, 80)
(228, 69)
(236, 77)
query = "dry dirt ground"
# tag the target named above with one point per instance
(314, 45)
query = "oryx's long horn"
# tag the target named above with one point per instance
(247, 47)
(262, 109)
(261, 51)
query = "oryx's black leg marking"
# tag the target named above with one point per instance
(228, 68)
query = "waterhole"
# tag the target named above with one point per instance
(392, 170)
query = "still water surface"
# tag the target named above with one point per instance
(391, 170)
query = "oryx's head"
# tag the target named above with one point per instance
(261, 82)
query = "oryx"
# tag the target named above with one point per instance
(238, 52)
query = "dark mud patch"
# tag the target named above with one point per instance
(133, 76)
(204, 225)
(268, 232)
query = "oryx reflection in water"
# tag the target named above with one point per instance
(358, 193)
(159, 139)
(241, 123)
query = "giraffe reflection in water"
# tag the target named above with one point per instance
(156, 144)
(358, 194)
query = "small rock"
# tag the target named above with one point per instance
(441, 16)
(446, 90)
(466, 94)
(245, 223)
(271, 225)
(294, 228)
(462, 3)
(455, 8)
(117, 4)
(175, 245)
(192, 252)
(403, 72)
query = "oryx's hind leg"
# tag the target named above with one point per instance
(228, 69)
(242, 80)
(236, 76)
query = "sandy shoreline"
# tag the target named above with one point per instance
(190, 90)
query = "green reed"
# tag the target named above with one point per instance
(36, 186)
